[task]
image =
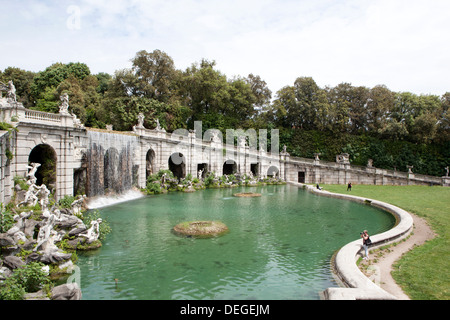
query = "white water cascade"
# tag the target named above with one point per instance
(111, 172)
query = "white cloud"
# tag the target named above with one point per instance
(402, 44)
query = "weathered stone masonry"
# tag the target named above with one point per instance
(70, 141)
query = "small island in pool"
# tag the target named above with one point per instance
(247, 194)
(201, 229)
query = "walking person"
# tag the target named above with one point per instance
(366, 243)
(349, 186)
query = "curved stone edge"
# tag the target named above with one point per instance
(357, 285)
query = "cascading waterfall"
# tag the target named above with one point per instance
(110, 168)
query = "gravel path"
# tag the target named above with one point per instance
(421, 233)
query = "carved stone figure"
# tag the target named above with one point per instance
(215, 136)
(141, 118)
(64, 107)
(45, 232)
(242, 141)
(43, 193)
(200, 174)
(11, 91)
(158, 126)
(18, 230)
(30, 196)
(93, 232)
(32, 172)
(77, 204)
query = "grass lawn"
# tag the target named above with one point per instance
(424, 272)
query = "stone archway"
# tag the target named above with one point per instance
(229, 167)
(46, 173)
(177, 164)
(150, 163)
(273, 171)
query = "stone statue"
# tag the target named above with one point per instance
(140, 120)
(158, 126)
(77, 204)
(77, 122)
(30, 196)
(11, 91)
(446, 171)
(64, 107)
(18, 230)
(45, 232)
(93, 232)
(200, 174)
(43, 195)
(242, 141)
(215, 136)
(32, 172)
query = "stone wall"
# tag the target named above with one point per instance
(64, 134)
(342, 172)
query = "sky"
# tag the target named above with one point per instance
(403, 44)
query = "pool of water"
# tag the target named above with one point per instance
(279, 246)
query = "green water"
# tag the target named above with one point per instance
(279, 246)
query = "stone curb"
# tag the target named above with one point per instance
(357, 285)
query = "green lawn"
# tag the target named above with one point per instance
(423, 273)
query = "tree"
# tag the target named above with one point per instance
(155, 72)
(262, 93)
(379, 103)
(23, 81)
(443, 125)
(350, 106)
(303, 105)
(45, 84)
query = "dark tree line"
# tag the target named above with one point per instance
(312, 119)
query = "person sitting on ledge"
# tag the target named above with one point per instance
(318, 187)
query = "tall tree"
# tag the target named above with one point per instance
(23, 80)
(260, 90)
(379, 104)
(155, 72)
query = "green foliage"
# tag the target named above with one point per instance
(11, 289)
(154, 187)
(31, 276)
(66, 201)
(5, 126)
(28, 278)
(368, 123)
(6, 219)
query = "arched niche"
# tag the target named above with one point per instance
(46, 173)
(177, 164)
